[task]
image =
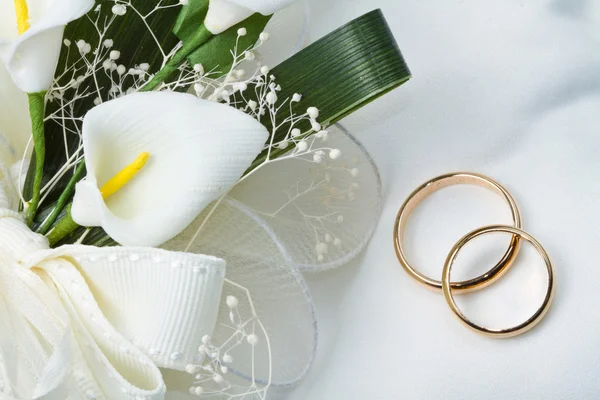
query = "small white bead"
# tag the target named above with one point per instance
(227, 359)
(321, 248)
(199, 69)
(271, 98)
(296, 97)
(108, 43)
(313, 112)
(119, 9)
(242, 32)
(264, 36)
(206, 339)
(232, 301)
(302, 146)
(354, 172)
(335, 154)
(252, 339)
(264, 70)
(191, 369)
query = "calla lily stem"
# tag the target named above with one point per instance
(172, 66)
(63, 228)
(63, 199)
(36, 110)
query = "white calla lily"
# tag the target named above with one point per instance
(223, 14)
(31, 37)
(197, 151)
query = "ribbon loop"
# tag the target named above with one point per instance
(98, 322)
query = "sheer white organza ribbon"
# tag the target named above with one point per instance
(94, 323)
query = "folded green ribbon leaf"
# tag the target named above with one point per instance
(341, 72)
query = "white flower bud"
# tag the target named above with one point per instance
(119, 9)
(252, 339)
(335, 154)
(302, 146)
(232, 301)
(271, 98)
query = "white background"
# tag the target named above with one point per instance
(511, 89)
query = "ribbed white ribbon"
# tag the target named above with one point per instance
(83, 322)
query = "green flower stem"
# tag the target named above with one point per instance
(63, 228)
(63, 199)
(172, 66)
(36, 110)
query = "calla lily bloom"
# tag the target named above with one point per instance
(31, 36)
(188, 152)
(223, 14)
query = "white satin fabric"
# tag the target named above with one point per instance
(82, 322)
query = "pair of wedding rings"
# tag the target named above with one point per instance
(448, 287)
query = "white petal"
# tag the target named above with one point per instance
(198, 150)
(289, 29)
(31, 58)
(223, 14)
(265, 7)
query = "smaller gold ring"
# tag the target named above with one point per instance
(515, 330)
(434, 185)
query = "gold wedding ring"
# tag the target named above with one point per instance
(515, 330)
(435, 184)
(493, 274)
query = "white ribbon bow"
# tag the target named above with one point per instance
(83, 322)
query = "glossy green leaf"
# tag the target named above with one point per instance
(215, 54)
(342, 72)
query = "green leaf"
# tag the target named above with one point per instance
(341, 72)
(191, 16)
(214, 55)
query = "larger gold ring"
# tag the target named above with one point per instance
(434, 185)
(499, 333)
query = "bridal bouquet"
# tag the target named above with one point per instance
(163, 188)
